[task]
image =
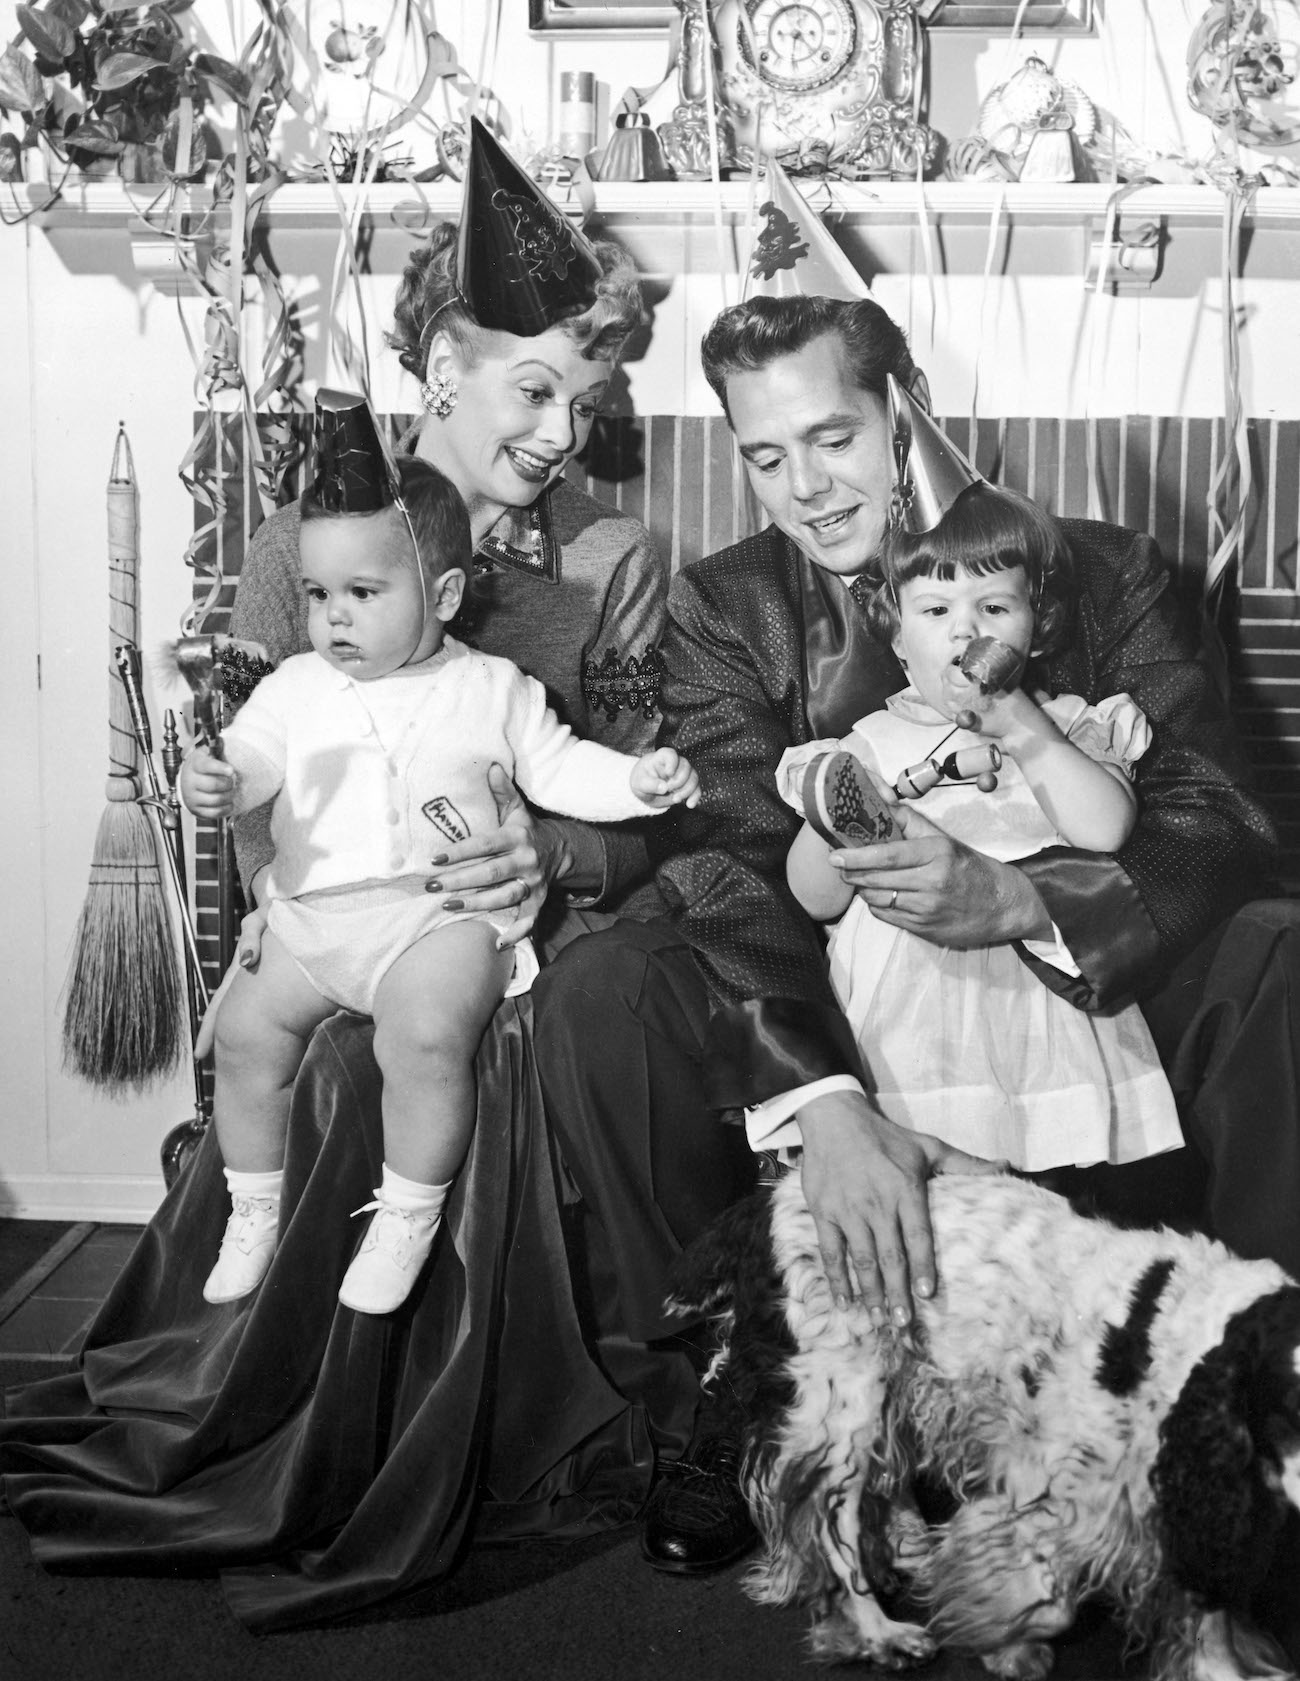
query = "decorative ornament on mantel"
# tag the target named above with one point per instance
(1242, 62)
(1035, 127)
(826, 87)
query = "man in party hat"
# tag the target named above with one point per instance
(793, 254)
(767, 648)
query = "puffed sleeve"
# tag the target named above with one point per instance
(1114, 732)
(793, 764)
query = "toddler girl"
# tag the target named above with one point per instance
(970, 1046)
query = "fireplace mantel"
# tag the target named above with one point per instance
(689, 227)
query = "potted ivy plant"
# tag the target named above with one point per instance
(112, 87)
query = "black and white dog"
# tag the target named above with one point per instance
(1102, 1413)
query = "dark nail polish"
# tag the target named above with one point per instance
(433, 887)
(440, 859)
(453, 905)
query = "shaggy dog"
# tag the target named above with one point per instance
(1092, 1412)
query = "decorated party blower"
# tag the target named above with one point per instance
(122, 1023)
(521, 265)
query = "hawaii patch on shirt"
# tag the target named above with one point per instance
(445, 818)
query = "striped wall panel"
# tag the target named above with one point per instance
(679, 476)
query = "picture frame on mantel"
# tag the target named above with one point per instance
(604, 17)
(1041, 17)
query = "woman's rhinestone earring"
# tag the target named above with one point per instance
(439, 395)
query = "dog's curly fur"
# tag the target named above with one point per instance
(1101, 1412)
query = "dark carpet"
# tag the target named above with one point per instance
(579, 1611)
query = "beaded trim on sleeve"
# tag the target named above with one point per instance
(611, 685)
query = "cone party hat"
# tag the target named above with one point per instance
(930, 472)
(794, 254)
(521, 265)
(355, 469)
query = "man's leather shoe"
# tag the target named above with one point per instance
(696, 1519)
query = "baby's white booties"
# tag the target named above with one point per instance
(250, 1236)
(396, 1245)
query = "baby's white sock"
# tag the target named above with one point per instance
(254, 1184)
(410, 1195)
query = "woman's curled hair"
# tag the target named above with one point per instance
(428, 301)
(988, 529)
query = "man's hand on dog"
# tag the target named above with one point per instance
(865, 1182)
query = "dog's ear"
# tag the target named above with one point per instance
(705, 1277)
(1221, 1508)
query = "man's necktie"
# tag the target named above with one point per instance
(860, 588)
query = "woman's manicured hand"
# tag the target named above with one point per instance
(512, 868)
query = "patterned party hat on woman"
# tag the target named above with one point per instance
(521, 265)
(355, 469)
(930, 472)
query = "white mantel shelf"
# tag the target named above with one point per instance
(685, 227)
(313, 204)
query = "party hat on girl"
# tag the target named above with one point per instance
(930, 472)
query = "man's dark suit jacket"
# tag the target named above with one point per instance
(765, 651)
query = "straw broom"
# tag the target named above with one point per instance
(122, 1021)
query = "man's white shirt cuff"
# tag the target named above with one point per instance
(1053, 951)
(771, 1125)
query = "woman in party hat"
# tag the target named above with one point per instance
(534, 1379)
(973, 585)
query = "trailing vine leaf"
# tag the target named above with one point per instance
(47, 32)
(228, 77)
(95, 135)
(21, 86)
(72, 12)
(119, 70)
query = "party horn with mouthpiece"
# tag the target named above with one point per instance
(994, 666)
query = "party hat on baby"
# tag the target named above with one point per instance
(355, 469)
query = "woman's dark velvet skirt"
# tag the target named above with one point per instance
(321, 1459)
